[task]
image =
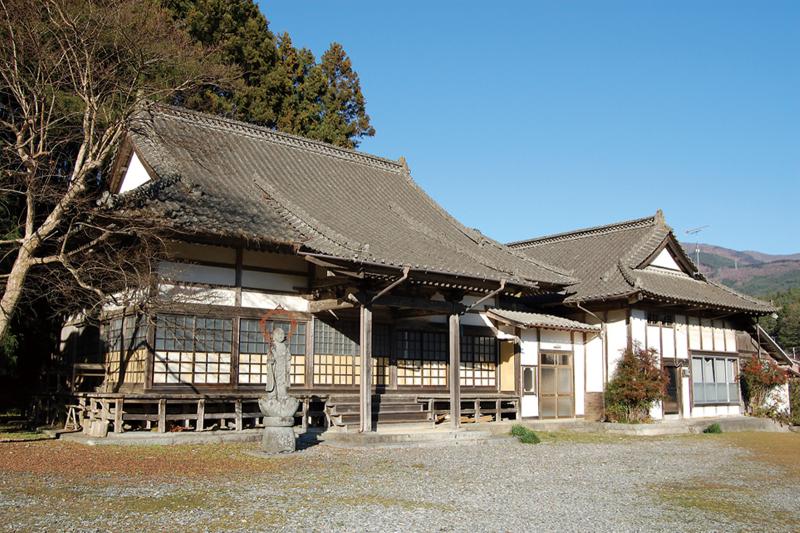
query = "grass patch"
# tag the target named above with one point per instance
(724, 504)
(713, 428)
(525, 435)
(776, 449)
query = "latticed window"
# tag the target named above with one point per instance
(253, 350)
(381, 352)
(478, 361)
(192, 349)
(337, 353)
(421, 358)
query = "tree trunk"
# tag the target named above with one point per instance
(13, 289)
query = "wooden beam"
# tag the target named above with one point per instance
(365, 404)
(318, 306)
(454, 380)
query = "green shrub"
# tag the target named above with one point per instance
(713, 428)
(525, 435)
(638, 383)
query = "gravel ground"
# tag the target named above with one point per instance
(567, 483)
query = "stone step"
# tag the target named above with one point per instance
(395, 437)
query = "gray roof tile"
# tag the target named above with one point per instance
(232, 178)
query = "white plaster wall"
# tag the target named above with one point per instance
(718, 335)
(529, 356)
(730, 338)
(135, 176)
(638, 326)
(578, 368)
(654, 338)
(694, 333)
(656, 411)
(255, 279)
(529, 347)
(261, 300)
(780, 397)
(706, 334)
(555, 340)
(681, 337)
(208, 275)
(617, 338)
(197, 295)
(594, 363)
(665, 260)
(686, 400)
(701, 411)
(668, 342)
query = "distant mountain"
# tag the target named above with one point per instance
(754, 273)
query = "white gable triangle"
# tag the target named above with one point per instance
(665, 259)
(135, 175)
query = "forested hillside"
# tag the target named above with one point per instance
(751, 272)
(771, 277)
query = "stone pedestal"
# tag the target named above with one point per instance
(278, 440)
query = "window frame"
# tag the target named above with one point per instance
(710, 364)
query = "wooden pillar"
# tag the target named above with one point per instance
(238, 422)
(118, 412)
(365, 343)
(162, 415)
(201, 415)
(454, 376)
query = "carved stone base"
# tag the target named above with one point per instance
(278, 440)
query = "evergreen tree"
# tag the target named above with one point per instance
(281, 87)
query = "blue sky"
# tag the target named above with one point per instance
(530, 118)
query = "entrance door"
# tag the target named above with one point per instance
(671, 406)
(556, 396)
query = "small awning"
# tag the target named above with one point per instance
(538, 320)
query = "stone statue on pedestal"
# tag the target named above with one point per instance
(277, 406)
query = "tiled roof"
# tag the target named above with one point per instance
(235, 179)
(610, 261)
(533, 320)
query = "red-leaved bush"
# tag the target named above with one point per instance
(759, 377)
(637, 384)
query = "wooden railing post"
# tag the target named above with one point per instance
(118, 411)
(305, 414)
(201, 415)
(238, 409)
(162, 415)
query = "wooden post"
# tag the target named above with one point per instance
(238, 409)
(118, 406)
(365, 404)
(498, 410)
(201, 415)
(162, 415)
(454, 380)
(477, 409)
(305, 413)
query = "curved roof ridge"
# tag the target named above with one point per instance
(263, 132)
(586, 232)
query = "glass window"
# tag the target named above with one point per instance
(478, 361)
(714, 380)
(528, 374)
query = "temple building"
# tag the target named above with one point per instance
(394, 311)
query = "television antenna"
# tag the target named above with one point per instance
(695, 231)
